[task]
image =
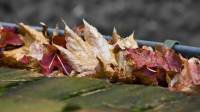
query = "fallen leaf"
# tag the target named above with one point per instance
(78, 52)
(100, 45)
(33, 46)
(115, 37)
(194, 69)
(128, 42)
(8, 36)
(31, 35)
(122, 44)
(182, 81)
(59, 40)
(53, 61)
(169, 61)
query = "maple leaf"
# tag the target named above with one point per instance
(168, 60)
(189, 78)
(162, 65)
(84, 52)
(127, 42)
(100, 45)
(33, 41)
(78, 53)
(194, 67)
(52, 61)
(172, 59)
(115, 37)
(31, 35)
(8, 36)
(33, 47)
(142, 57)
(121, 44)
(182, 81)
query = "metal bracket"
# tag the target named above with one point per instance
(170, 43)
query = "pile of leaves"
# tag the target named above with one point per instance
(84, 52)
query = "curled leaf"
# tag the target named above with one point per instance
(9, 36)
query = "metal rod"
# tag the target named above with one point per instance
(185, 50)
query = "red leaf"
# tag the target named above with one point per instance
(25, 60)
(9, 37)
(54, 61)
(182, 81)
(142, 57)
(154, 59)
(173, 59)
(194, 69)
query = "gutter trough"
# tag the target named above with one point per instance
(185, 50)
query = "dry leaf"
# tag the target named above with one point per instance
(9, 36)
(194, 68)
(78, 52)
(33, 46)
(122, 44)
(189, 79)
(84, 52)
(128, 42)
(100, 45)
(115, 37)
(31, 35)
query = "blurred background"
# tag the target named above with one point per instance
(155, 20)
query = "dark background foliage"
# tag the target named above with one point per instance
(150, 19)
